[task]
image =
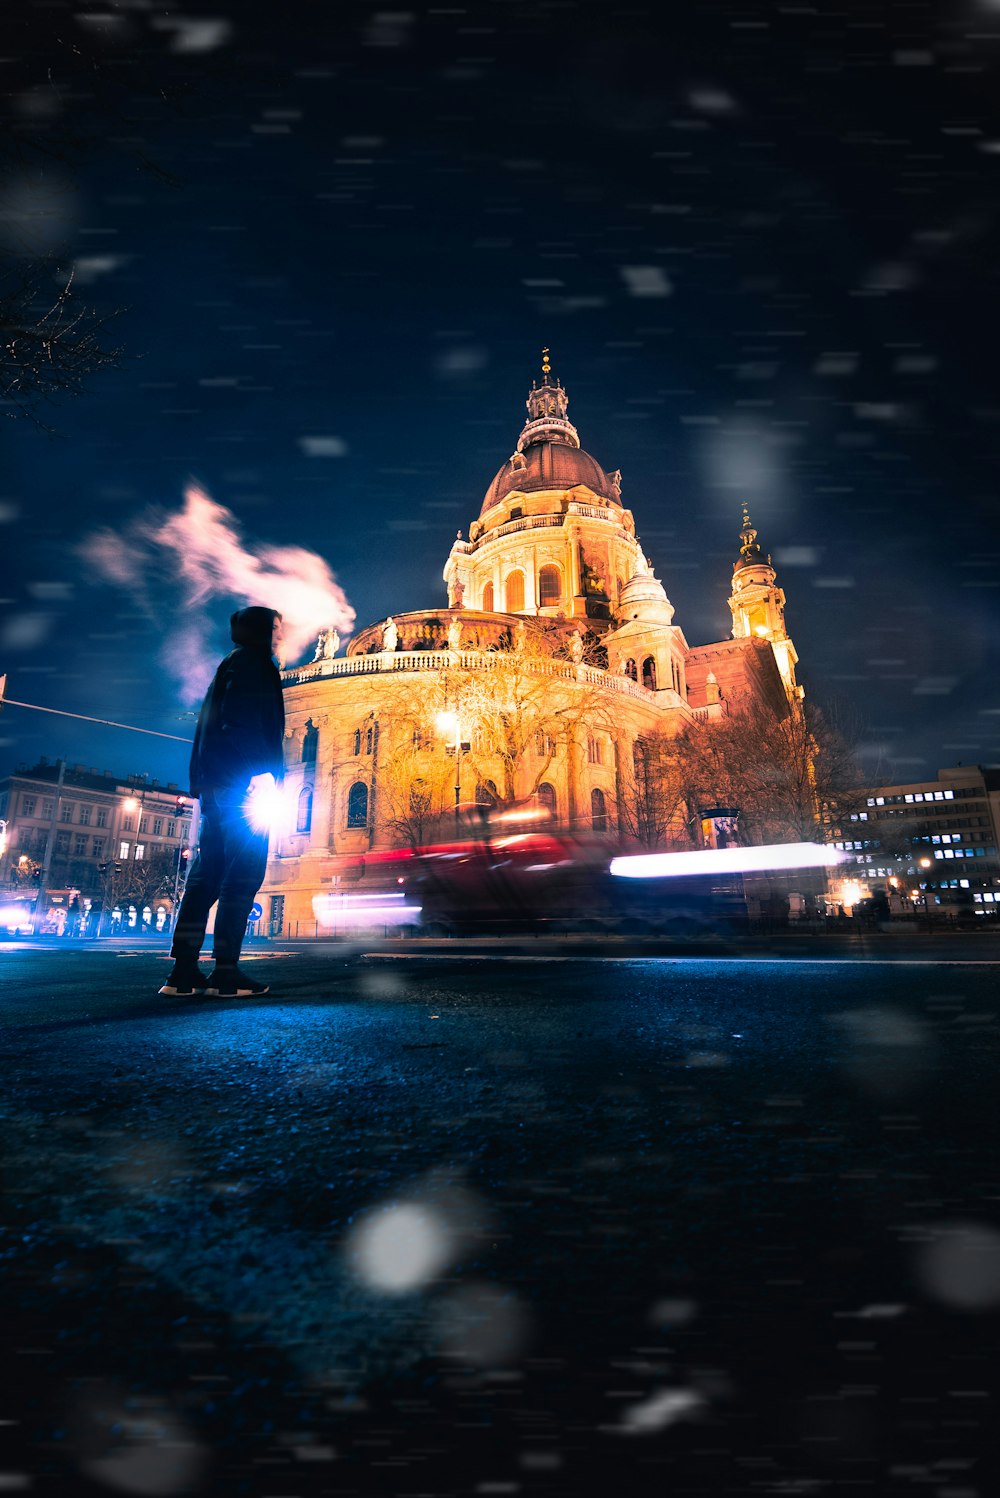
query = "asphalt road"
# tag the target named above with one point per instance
(463, 1225)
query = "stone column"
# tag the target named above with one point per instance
(530, 581)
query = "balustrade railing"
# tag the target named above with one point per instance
(466, 660)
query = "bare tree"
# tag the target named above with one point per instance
(77, 86)
(782, 774)
(522, 709)
(49, 345)
(140, 882)
(652, 792)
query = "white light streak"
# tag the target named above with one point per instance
(726, 861)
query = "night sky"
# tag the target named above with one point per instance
(760, 239)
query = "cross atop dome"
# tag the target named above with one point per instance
(547, 404)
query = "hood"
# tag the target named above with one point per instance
(253, 627)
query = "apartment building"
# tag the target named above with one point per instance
(932, 844)
(78, 839)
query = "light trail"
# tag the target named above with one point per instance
(726, 861)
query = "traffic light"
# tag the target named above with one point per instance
(102, 868)
(180, 806)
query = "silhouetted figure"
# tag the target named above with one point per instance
(237, 755)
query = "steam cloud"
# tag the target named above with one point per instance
(201, 548)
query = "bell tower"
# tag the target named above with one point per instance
(757, 605)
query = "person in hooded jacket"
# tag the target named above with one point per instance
(237, 754)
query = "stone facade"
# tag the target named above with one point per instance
(557, 642)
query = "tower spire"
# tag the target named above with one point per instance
(749, 550)
(757, 603)
(547, 404)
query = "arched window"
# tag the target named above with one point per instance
(488, 598)
(546, 795)
(357, 805)
(303, 821)
(357, 741)
(310, 743)
(549, 586)
(598, 811)
(368, 741)
(486, 793)
(631, 671)
(515, 592)
(649, 673)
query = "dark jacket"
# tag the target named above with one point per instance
(242, 721)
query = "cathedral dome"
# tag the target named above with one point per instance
(550, 465)
(548, 454)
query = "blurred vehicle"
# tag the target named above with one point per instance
(515, 875)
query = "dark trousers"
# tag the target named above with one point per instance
(229, 867)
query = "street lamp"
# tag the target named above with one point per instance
(449, 722)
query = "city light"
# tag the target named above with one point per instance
(268, 808)
(726, 861)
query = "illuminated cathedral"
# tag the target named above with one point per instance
(556, 654)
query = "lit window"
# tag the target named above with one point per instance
(949, 795)
(123, 849)
(515, 593)
(140, 851)
(357, 805)
(303, 821)
(549, 586)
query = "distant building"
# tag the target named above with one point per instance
(553, 601)
(929, 844)
(87, 840)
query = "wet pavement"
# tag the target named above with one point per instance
(449, 1224)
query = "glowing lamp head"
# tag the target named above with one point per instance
(265, 807)
(447, 722)
(131, 803)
